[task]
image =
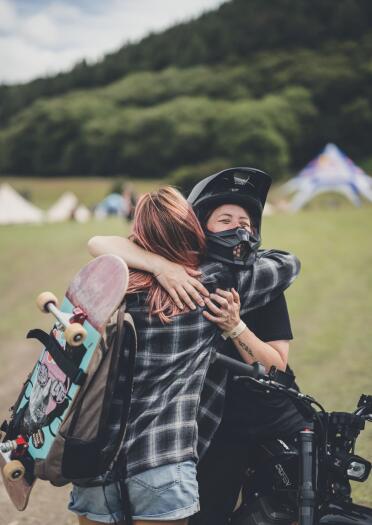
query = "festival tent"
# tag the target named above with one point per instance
(67, 207)
(268, 209)
(331, 171)
(14, 209)
(63, 209)
(82, 213)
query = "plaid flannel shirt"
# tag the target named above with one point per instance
(170, 411)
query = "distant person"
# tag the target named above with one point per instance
(129, 201)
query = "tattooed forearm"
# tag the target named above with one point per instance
(246, 348)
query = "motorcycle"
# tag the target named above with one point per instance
(305, 480)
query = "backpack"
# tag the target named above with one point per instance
(90, 437)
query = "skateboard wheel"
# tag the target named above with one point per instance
(44, 298)
(14, 470)
(75, 334)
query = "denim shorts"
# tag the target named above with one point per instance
(165, 493)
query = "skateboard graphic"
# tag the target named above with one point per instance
(93, 295)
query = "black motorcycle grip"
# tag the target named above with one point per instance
(257, 370)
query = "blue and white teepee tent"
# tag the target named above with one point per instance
(331, 171)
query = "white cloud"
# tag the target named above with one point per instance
(20, 61)
(8, 17)
(41, 30)
(53, 37)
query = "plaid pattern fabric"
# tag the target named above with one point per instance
(170, 411)
(270, 270)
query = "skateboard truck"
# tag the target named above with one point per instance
(14, 469)
(75, 334)
(79, 316)
(18, 445)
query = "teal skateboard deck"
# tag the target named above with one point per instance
(93, 295)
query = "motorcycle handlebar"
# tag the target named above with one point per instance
(256, 371)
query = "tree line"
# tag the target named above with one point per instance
(246, 94)
(233, 33)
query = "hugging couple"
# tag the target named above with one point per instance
(198, 284)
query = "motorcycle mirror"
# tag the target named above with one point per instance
(357, 468)
(365, 401)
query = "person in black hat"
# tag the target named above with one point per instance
(246, 188)
(249, 417)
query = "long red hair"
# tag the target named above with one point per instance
(165, 224)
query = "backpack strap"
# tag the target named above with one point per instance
(59, 355)
(124, 318)
(127, 507)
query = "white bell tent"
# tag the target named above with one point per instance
(331, 171)
(82, 214)
(63, 209)
(14, 209)
(67, 207)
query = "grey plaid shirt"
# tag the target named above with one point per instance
(170, 412)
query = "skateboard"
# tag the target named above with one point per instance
(93, 295)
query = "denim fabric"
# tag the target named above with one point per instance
(168, 492)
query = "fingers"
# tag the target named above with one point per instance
(188, 294)
(176, 299)
(223, 308)
(195, 283)
(226, 294)
(215, 309)
(184, 295)
(221, 300)
(231, 297)
(193, 292)
(236, 296)
(211, 317)
(192, 272)
(199, 287)
(190, 289)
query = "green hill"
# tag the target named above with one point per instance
(260, 83)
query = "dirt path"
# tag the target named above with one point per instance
(47, 503)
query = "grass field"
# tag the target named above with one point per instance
(330, 303)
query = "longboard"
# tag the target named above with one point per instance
(93, 295)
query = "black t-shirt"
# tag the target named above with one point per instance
(249, 412)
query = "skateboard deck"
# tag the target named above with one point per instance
(93, 295)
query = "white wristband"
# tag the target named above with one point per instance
(235, 332)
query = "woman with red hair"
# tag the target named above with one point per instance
(174, 352)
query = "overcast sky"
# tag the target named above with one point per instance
(40, 37)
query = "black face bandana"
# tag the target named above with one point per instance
(222, 246)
